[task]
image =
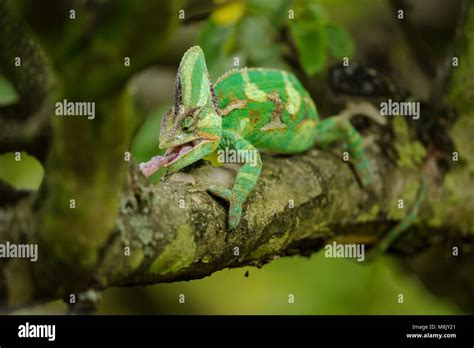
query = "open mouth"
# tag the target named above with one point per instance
(171, 155)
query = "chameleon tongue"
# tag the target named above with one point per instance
(185, 149)
(150, 167)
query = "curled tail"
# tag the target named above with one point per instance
(403, 225)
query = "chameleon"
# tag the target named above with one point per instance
(247, 110)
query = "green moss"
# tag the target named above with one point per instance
(462, 83)
(273, 245)
(178, 254)
(86, 165)
(457, 203)
(370, 215)
(308, 228)
(463, 139)
(206, 259)
(410, 152)
(27, 173)
(136, 257)
(409, 197)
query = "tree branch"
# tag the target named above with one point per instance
(24, 126)
(176, 230)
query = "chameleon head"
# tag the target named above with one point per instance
(191, 129)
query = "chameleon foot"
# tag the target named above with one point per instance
(235, 208)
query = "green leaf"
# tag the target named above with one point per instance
(8, 94)
(339, 41)
(310, 41)
(229, 13)
(307, 32)
(21, 170)
(276, 10)
(215, 40)
(257, 42)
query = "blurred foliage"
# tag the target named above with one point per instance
(25, 173)
(94, 38)
(320, 286)
(254, 31)
(8, 94)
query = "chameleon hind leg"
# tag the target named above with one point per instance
(245, 180)
(336, 128)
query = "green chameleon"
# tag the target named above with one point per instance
(245, 110)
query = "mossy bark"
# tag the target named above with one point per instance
(447, 267)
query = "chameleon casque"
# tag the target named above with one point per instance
(246, 110)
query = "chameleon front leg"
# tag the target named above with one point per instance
(336, 128)
(246, 178)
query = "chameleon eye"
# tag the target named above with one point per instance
(187, 125)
